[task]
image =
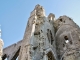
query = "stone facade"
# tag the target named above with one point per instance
(46, 39)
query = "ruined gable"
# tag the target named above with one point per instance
(47, 39)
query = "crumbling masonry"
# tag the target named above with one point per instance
(46, 38)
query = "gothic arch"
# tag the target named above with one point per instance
(4, 57)
(16, 54)
(50, 56)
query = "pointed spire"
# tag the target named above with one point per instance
(39, 10)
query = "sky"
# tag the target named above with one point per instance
(14, 15)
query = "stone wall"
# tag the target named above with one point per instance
(67, 39)
(10, 51)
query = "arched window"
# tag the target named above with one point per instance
(61, 20)
(67, 40)
(50, 36)
(65, 37)
(4, 57)
(15, 57)
(50, 56)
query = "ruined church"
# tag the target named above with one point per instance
(46, 38)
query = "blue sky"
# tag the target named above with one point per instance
(14, 15)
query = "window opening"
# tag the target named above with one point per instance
(50, 56)
(61, 20)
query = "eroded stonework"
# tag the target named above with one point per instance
(1, 48)
(47, 39)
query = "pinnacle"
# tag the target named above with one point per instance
(38, 6)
